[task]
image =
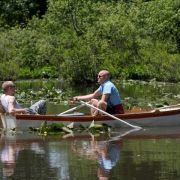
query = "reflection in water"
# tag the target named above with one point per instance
(58, 160)
(108, 156)
(9, 155)
(126, 156)
(32, 158)
(105, 152)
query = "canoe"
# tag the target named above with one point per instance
(161, 117)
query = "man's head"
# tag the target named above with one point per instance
(8, 87)
(103, 76)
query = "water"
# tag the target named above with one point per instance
(151, 155)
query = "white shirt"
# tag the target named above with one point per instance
(5, 102)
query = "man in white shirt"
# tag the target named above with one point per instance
(10, 105)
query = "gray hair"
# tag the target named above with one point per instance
(7, 84)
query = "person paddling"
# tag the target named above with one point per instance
(10, 104)
(110, 100)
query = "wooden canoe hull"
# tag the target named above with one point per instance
(157, 118)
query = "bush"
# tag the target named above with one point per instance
(75, 39)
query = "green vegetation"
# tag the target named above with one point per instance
(135, 94)
(73, 40)
(61, 129)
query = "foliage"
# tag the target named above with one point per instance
(61, 129)
(44, 72)
(20, 11)
(51, 94)
(75, 39)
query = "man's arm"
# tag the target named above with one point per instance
(1, 108)
(105, 97)
(88, 97)
(11, 106)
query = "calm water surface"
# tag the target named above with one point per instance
(151, 154)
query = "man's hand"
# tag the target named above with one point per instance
(13, 112)
(77, 98)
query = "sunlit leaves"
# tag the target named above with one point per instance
(160, 20)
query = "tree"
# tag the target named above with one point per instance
(16, 12)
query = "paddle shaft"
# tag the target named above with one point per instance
(176, 105)
(110, 115)
(72, 109)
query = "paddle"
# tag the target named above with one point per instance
(170, 106)
(110, 115)
(72, 109)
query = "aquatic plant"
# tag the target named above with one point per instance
(135, 94)
(61, 129)
(51, 94)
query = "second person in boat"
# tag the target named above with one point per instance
(10, 104)
(110, 100)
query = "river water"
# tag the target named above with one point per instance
(151, 154)
(154, 155)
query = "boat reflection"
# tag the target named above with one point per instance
(15, 147)
(84, 156)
